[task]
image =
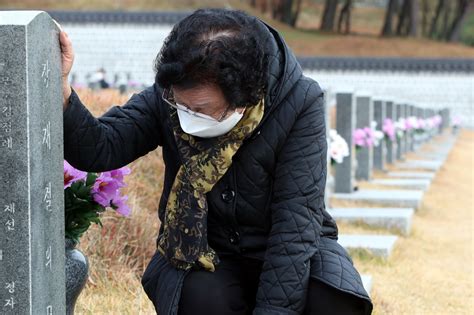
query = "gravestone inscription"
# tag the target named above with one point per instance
(32, 277)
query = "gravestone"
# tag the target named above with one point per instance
(390, 145)
(329, 177)
(345, 123)
(31, 144)
(364, 155)
(400, 141)
(380, 150)
(421, 137)
(406, 138)
(412, 113)
(444, 113)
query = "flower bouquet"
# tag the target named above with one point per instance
(338, 148)
(367, 137)
(87, 195)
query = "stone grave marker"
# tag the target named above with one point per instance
(391, 145)
(364, 155)
(345, 123)
(32, 279)
(380, 150)
(412, 113)
(406, 138)
(400, 142)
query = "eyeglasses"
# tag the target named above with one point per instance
(167, 96)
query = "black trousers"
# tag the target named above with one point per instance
(231, 290)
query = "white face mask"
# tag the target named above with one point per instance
(207, 128)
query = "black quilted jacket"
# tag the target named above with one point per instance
(270, 203)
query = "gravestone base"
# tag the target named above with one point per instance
(398, 219)
(377, 245)
(421, 184)
(389, 198)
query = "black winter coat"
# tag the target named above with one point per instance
(270, 203)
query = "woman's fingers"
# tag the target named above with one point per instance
(67, 53)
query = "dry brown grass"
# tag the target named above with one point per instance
(430, 271)
(119, 252)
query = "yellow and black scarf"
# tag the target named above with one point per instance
(205, 161)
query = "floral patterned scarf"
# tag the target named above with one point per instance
(205, 161)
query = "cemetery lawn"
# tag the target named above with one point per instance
(306, 40)
(431, 270)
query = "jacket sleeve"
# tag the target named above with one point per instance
(296, 207)
(115, 139)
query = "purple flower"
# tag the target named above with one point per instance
(121, 206)
(456, 121)
(359, 137)
(369, 137)
(105, 189)
(389, 128)
(421, 123)
(72, 175)
(119, 174)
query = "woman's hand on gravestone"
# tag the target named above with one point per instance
(67, 60)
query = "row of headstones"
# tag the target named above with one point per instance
(360, 111)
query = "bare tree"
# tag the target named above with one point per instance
(329, 15)
(392, 8)
(443, 32)
(424, 19)
(345, 16)
(286, 11)
(440, 7)
(463, 8)
(408, 18)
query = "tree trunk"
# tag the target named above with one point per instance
(403, 18)
(391, 10)
(286, 11)
(329, 15)
(463, 8)
(413, 24)
(445, 25)
(276, 9)
(296, 13)
(434, 22)
(345, 16)
(424, 18)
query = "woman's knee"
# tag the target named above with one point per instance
(204, 292)
(324, 299)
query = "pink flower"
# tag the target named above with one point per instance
(119, 174)
(369, 137)
(421, 123)
(359, 137)
(72, 175)
(437, 120)
(121, 206)
(105, 189)
(389, 129)
(456, 121)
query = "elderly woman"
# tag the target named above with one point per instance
(244, 228)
